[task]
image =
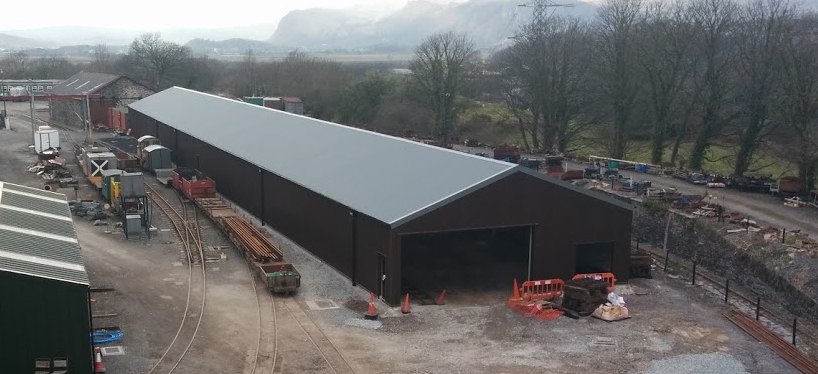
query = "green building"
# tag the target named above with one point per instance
(45, 314)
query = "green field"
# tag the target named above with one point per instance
(492, 123)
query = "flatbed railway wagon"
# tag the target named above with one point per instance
(263, 256)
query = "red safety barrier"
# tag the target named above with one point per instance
(607, 277)
(542, 289)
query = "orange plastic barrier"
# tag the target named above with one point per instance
(542, 289)
(607, 277)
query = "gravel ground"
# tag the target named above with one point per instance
(713, 363)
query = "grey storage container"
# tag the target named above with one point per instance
(133, 223)
(157, 157)
(132, 185)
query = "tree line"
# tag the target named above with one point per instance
(704, 72)
(694, 72)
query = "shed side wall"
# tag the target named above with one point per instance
(562, 219)
(41, 318)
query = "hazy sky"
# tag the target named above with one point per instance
(154, 14)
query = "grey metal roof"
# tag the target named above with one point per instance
(385, 177)
(391, 179)
(83, 83)
(37, 236)
(154, 147)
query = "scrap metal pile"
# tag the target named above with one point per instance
(54, 173)
(91, 210)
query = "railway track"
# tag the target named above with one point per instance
(186, 226)
(329, 353)
(269, 354)
(806, 334)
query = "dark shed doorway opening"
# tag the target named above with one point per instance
(471, 265)
(594, 258)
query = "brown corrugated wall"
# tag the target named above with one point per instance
(562, 218)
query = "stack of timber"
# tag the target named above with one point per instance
(584, 295)
(641, 262)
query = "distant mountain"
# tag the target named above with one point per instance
(76, 35)
(15, 42)
(488, 22)
(82, 35)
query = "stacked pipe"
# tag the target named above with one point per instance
(261, 248)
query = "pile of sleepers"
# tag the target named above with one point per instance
(584, 295)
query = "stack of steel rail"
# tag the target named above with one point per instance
(244, 234)
(256, 244)
(784, 349)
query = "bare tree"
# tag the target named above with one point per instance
(248, 70)
(799, 73)
(439, 68)
(760, 39)
(665, 55)
(616, 58)
(544, 81)
(521, 66)
(14, 65)
(714, 20)
(157, 60)
(102, 55)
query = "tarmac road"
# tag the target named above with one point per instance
(765, 209)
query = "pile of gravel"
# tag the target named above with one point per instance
(712, 363)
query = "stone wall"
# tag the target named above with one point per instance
(120, 93)
(772, 270)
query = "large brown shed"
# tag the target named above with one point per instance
(388, 213)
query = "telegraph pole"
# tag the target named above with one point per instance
(31, 107)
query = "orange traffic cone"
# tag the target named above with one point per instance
(441, 300)
(99, 368)
(405, 308)
(516, 295)
(371, 312)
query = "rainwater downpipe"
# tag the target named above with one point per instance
(354, 244)
(261, 181)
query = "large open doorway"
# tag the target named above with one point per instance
(471, 265)
(594, 258)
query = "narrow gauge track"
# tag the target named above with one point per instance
(272, 357)
(188, 229)
(336, 363)
(806, 333)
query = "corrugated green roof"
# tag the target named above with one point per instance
(37, 236)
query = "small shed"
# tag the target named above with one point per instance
(44, 306)
(157, 157)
